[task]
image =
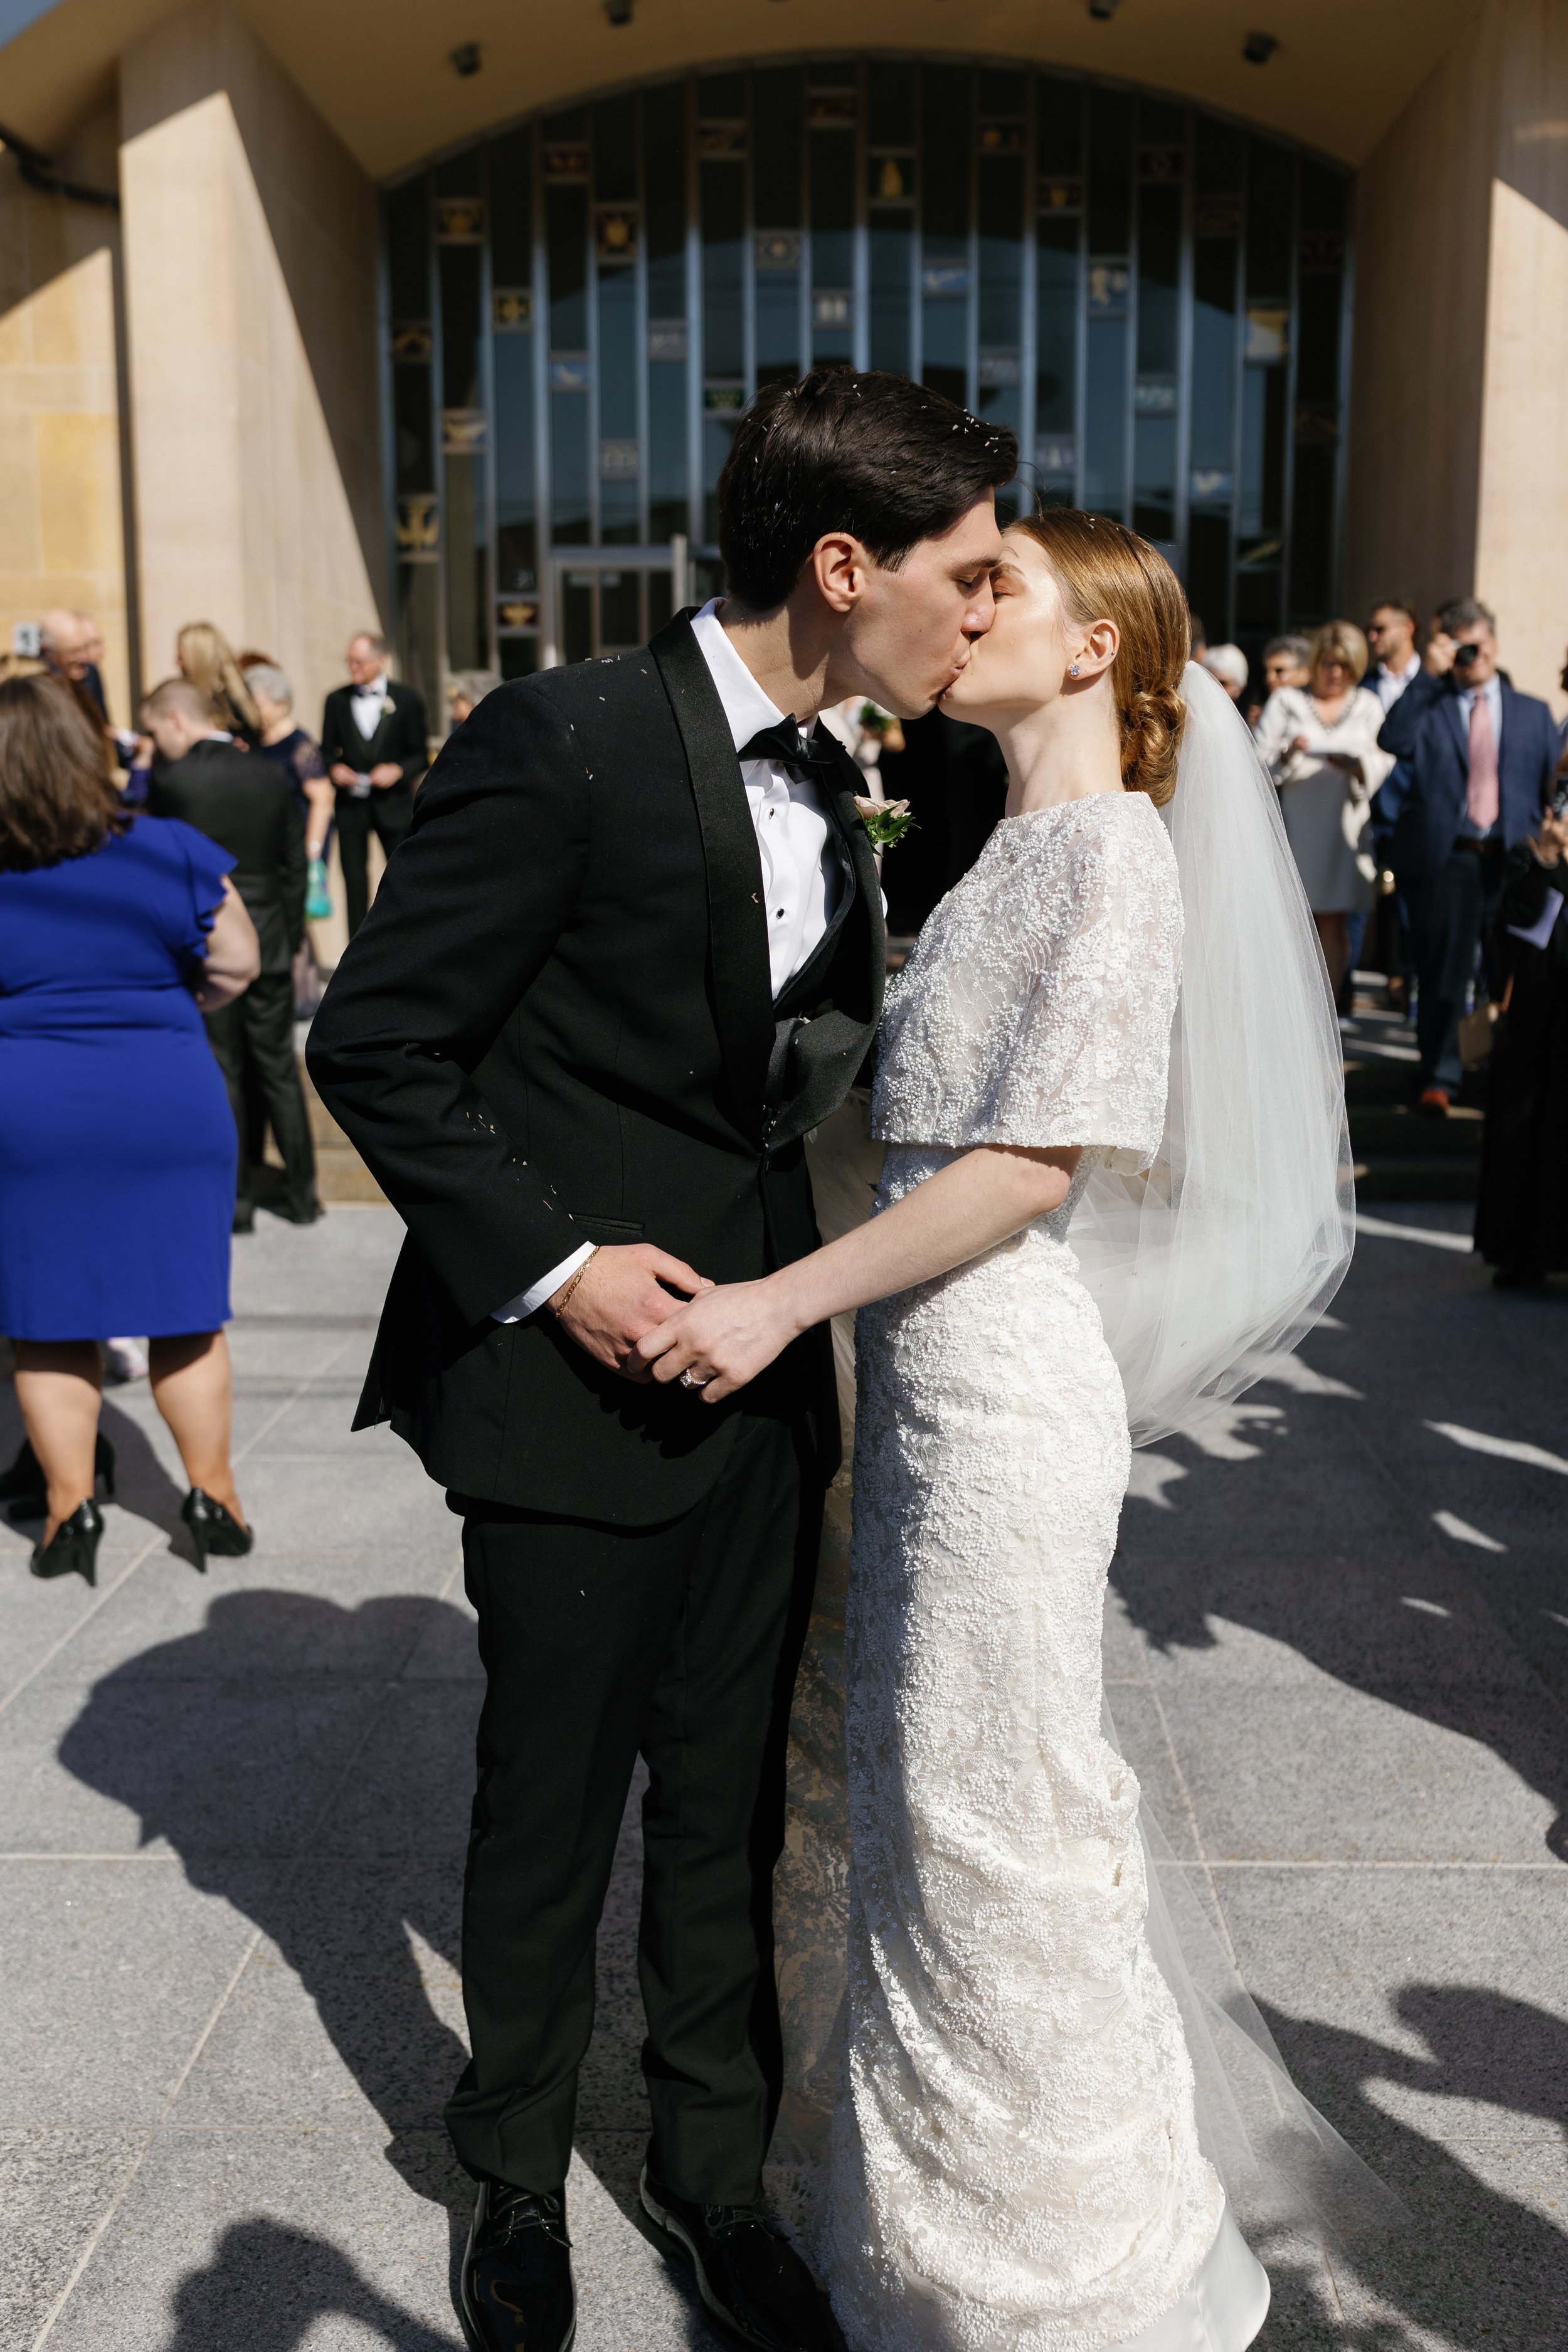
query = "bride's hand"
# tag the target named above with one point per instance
(722, 1340)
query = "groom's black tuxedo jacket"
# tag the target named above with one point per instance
(557, 1025)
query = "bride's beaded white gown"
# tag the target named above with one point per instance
(1015, 2162)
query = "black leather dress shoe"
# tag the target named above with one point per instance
(750, 2278)
(517, 2293)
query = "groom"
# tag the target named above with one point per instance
(630, 954)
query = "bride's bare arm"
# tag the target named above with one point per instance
(727, 1337)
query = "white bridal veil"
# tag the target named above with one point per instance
(1232, 1246)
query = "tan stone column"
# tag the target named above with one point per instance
(250, 273)
(1458, 457)
(62, 534)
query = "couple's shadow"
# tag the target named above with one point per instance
(312, 1766)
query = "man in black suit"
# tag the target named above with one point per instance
(632, 951)
(245, 804)
(1478, 762)
(374, 743)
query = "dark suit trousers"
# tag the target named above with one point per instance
(1451, 912)
(253, 1043)
(388, 814)
(682, 1643)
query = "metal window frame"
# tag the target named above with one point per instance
(648, 558)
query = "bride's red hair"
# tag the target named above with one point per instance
(1107, 572)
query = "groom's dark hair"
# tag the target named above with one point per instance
(874, 455)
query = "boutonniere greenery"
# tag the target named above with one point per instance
(886, 821)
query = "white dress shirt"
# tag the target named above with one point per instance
(369, 703)
(1388, 685)
(800, 864)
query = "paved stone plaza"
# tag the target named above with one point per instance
(234, 1812)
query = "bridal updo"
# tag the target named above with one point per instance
(1107, 572)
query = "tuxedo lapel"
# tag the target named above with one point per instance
(847, 787)
(737, 923)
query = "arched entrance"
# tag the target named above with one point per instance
(579, 306)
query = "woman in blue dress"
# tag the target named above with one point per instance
(117, 1145)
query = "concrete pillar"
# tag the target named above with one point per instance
(251, 277)
(62, 535)
(1458, 457)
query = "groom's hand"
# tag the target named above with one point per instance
(624, 1294)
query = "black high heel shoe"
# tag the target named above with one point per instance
(213, 1528)
(25, 1490)
(73, 1548)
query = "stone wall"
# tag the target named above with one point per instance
(1459, 456)
(62, 529)
(250, 269)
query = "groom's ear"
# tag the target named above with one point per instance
(839, 564)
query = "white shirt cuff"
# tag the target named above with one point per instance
(529, 1302)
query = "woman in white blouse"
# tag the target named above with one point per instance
(1320, 743)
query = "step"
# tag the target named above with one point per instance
(1399, 1131)
(1373, 1078)
(1415, 1180)
(340, 1174)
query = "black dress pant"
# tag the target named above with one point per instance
(682, 1643)
(388, 814)
(253, 1043)
(1451, 913)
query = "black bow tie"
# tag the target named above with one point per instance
(783, 746)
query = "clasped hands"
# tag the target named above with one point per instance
(651, 1317)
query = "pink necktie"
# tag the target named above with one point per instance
(1481, 801)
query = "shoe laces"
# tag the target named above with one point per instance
(529, 2209)
(724, 2220)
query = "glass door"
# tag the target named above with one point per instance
(609, 600)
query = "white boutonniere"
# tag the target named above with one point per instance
(886, 821)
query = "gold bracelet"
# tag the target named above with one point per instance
(558, 1305)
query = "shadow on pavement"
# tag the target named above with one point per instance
(270, 1750)
(1479, 2265)
(252, 1747)
(267, 2286)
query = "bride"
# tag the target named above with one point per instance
(1017, 2164)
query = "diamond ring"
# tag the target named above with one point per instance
(689, 1381)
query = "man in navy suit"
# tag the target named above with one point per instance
(1480, 761)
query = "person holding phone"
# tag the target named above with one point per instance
(1480, 760)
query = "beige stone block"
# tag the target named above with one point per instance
(78, 478)
(255, 507)
(21, 529)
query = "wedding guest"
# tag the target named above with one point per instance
(245, 804)
(1200, 638)
(1320, 745)
(467, 689)
(1228, 664)
(1480, 760)
(72, 645)
(1286, 661)
(1284, 664)
(374, 744)
(203, 655)
(116, 1144)
(1391, 637)
(1521, 1216)
(866, 731)
(291, 748)
(286, 743)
